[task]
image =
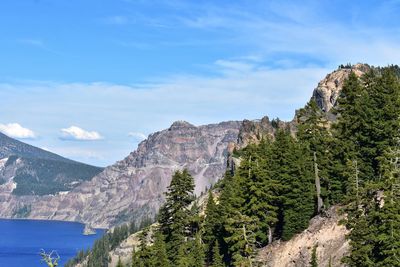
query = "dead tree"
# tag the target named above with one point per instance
(320, 203)
(51, 259)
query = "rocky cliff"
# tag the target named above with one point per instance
(133, 188)
(328, 90)
(325, 94)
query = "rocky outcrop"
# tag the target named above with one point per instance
(325, 94)
(133, 188)
(252, 132)
(323, 232)
(328, 90)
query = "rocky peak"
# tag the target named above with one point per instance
(328, 90)
(252, 132)
(181, 125)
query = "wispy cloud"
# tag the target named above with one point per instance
(79, 134)
(15, 130)
(117, 20)
(287, 34)
(137, 136)
(32, 42)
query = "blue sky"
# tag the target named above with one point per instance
(89, 79)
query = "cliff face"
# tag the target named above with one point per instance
(133, 188)
(328, 90)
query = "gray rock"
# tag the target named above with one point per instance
(133, 188)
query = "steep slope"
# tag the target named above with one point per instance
(323, 232)
(133, 188)
(27, 170)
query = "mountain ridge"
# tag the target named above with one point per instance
(133, 187)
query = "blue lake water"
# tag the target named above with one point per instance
(22, 240)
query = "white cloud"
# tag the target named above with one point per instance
(76, 133)
(17, 131)
(137, 136)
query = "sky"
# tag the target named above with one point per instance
(90, 79)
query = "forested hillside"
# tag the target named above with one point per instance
(285, 180)
(26, 170)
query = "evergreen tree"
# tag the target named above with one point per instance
(292, 167)
(313, 130)
(183, 259)
(159, 251)
(241, 239)
(197, 252)
(259, 191)
(217, 260)
(175, 214)
(212, 226)
(373, 211)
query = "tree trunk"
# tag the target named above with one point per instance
(269, 234)
(320, 203)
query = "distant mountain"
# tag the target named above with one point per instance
(12, 147)
(133, 188)
(28, 170)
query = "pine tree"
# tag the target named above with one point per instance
(175, 214)
(217, 260)
(373, 211)
(349, 110)
(313, 129)
(292, 166)
(159, 251)
(259, 191)
(197, 252)
(241, 239)
(183, 259)
(212, 226)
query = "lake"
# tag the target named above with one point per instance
(22, 240)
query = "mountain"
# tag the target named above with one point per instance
(12, 147)
(28, 172)
(132, 189)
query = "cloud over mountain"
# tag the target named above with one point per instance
(75, 133)
(15, 130)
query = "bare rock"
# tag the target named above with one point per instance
(325, 232)
(328, 90)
